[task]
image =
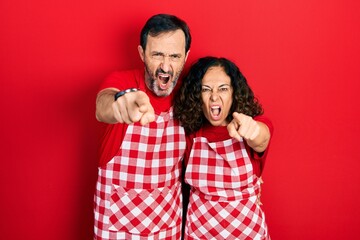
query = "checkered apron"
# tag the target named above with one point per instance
(223, 199)
(138, 193)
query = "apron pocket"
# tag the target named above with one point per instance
(144, 211)
(208, 219)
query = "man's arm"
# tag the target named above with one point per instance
(129, 108)
(104, 110)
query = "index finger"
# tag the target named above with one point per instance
(145, 107)
(147, 117)
(143, 104)
(232, 128)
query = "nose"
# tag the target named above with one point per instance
(165, 64)
(214, 96)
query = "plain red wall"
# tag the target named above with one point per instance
(300, 57)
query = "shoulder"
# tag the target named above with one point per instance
(266, 121)
(124, 79)
(132, 74)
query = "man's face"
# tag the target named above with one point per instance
(164, 59)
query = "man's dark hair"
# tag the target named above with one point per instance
(162, 23)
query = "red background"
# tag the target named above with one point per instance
(300, 57)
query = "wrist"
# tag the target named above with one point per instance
(122, 93)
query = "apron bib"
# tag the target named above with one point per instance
(138, 193)
(224, 196)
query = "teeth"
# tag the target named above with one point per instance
(164, 79)
(215, 110)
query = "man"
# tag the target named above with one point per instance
(138, 193)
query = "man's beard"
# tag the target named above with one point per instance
(151, 81)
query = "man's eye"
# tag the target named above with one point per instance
(175, 58)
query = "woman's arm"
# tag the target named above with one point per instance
(255, 133)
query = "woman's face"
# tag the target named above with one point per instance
(216, 95)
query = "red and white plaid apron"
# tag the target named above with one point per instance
(223, 199)
(138, 193)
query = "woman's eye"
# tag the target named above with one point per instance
(206, 90)
(223, 89)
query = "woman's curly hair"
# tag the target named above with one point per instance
(188, 102)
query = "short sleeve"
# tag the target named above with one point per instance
(123, 80)
(259, 159)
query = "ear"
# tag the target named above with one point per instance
(186, 55)
(141, 53)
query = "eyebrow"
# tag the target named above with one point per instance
(170, 54)
(222, 85)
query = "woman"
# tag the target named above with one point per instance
(225, 152)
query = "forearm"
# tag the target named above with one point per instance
(104, 109)
(260, 142)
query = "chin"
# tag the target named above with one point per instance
(162, 93)
(216, 124)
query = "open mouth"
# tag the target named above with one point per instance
(215, 111)
(163, 80)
